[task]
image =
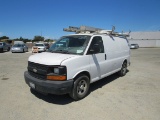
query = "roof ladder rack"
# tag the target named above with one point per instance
(82, 29)
(87, 29)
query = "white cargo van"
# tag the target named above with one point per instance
(75, 61)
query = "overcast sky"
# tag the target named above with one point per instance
(27, 18)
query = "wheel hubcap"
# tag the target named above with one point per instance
(81, 88)
(124, 69)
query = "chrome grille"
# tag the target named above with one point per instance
(37, 66)
(41, 70)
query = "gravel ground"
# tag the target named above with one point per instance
(135, 96)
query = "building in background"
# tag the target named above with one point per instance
(145, 39)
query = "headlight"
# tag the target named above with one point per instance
(56, 70)
(59, 70)
(57, 73)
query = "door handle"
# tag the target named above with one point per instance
(105, 56)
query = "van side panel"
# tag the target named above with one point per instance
(113, 52)
(125, 49)
(117, 50)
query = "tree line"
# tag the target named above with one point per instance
(35, 39)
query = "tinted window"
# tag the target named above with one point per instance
(97, 41)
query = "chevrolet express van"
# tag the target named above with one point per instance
(75, 61)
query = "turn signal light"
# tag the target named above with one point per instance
(60, 77)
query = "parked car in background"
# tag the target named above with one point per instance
(41, 47)
(47, 45)
(19, 48)
(134, 46)
(4, 47)
(19, 42)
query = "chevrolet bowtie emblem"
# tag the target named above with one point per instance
(34, 70)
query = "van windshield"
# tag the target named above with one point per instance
(75, 44)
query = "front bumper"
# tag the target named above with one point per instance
(46, 86)
(41, 50)
(16, 50)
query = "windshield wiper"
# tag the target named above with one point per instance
(52, 51)
(60, 51)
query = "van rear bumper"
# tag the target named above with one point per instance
(46, 86)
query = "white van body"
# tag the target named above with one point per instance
(94, 66)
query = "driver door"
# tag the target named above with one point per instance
(98, 59)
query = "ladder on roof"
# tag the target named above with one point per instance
(82, 29)
(87, 29)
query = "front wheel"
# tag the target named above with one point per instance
(80, 88)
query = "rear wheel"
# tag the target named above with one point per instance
(123, 70)
(80, 88)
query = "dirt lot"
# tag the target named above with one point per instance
(135, 96)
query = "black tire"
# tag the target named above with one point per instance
(23, 51)
(8, 49)
(80, 88)
(123, 70)
(1, 50)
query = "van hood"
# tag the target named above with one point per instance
(47, 58)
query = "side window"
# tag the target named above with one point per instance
(99, 43)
